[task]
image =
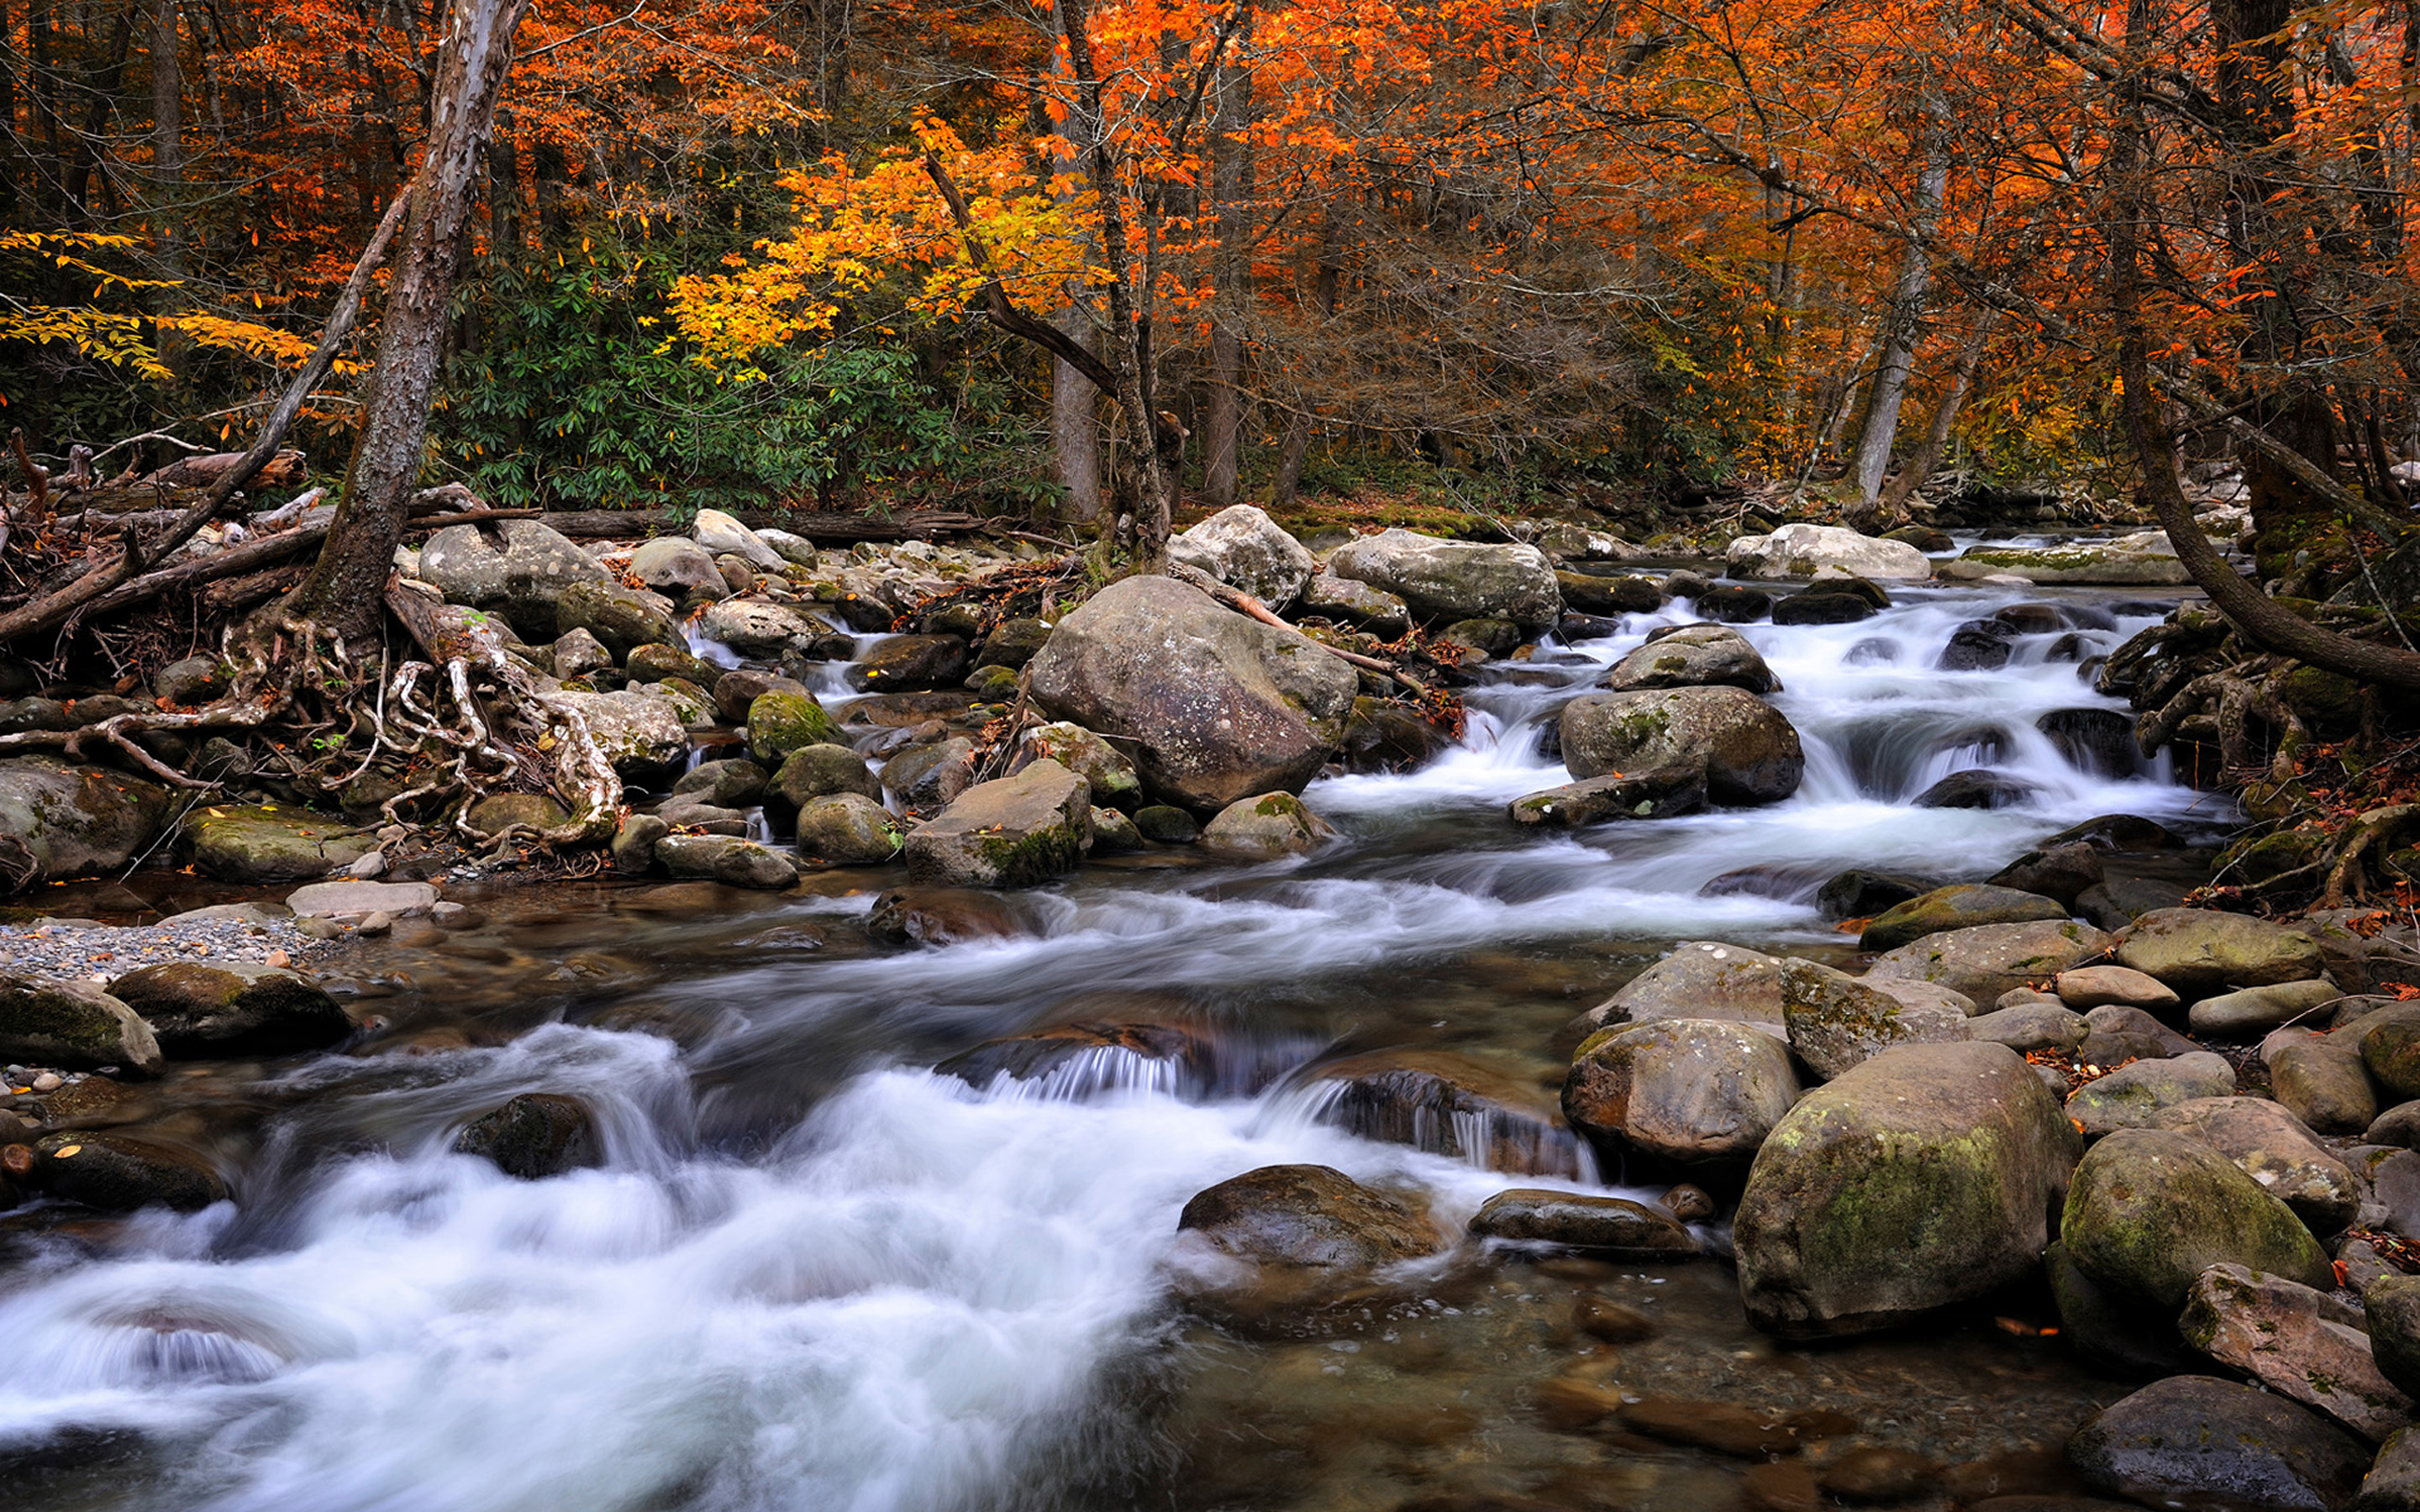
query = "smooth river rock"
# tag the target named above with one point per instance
(1749, 752)
(2151, 1209)
(1807, 551)
(1015, 831)
(1694, 1092)
(1991, 959)
(1965, 905)
(1692, 656)
(1446, 581)
(2201, 952)
(2196, 1441)
(60, 819)
(1700, 978)
(231, 1008)
(73, 1025)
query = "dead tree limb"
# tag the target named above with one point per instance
(1246, 605)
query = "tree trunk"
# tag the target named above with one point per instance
(1076, 429)
(1290, 455)
(344, 592)
(1898, 357)
(1891, 509)
(168, 164)
(1230, 184)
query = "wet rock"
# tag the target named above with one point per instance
(1211, 705)
(2151, 1209)
(1115, 833)
(2089, 987)
(1112, 778)
(2036, 1027)
(2099, 741)
(2277, 1149)
(1977, 645)
(2390, 1050)
(1920, 1179)
(1720, 1427)
(1748, 750)
(1611, 596)
(1965, 905)
(523, 570)
(1689, 1091)
(1382, 735)
(237, 1009)
(1166, 825)
(1836, 1022)
(59, 821)
(942, 916)
(74, 1025)
(633, 848)
(2255, 1011)
(1729, 604)
(1975, 789)
(1015, 831)
(1861, 894)
(1700, 978)
(1612, 1226)
(1347, 602)
(1661, 794)
(2113, 1329)
(2392, 1483)
(781, 722)
(2200, 951)
(1448, 1104)
(2321, 1079)
(736, 690)
(500, 811)
(1489, 638)
(1269, 828)
(1872, 1473)
(2077, 563)
(677, 568)
(1692, 656)
(755, 627)
(726, 858)
(1805, 550)
(930, 777)
(1090, 1056)
(733, 782)
(536, 1135)
(1244, 548)
(1989, 960)
(622, 619)
(269, 843)
(360, 898)
(123, 1173)
(2132, 1096)
(1821, 604)
(2296, 1341)
(2197, 1440)
(910, 663)
(660, 663)
(2064, 872)
(1307, 1215)
(2391, 1304)
(1442, 579)
(847, 829)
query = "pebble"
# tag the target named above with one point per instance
(61, 950)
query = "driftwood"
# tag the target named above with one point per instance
(283, 469)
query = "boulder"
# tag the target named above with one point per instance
(1212, 706)
(2088, 987)
(642, 737)
(576, 654)
(2151, 1209)
(535, 1136)
(1269, 828)
(2079, 564)
(931, 777)
(2255, 1011)
(1731, 604)
(735, 690)
(232, 1008)
(523, 569)
(193, 680)
(1382, 735)
(2099, 741)
(1589, 593)
(1112, 779)
(2201, 951)
(820, 771)
(1923, 1177)
(910, 663)
(73, 1025)
(1965, 905)
(2392, 1303)
(847, 829)
(1975, 789)
(1805, 550)
(1165, 824)
(721, 534)
(1013, 642)
(622, 619)
(2277, 1149)
(1448, 1104)
(1612, 1227)
(1748, 750)
(2322, 1078)
(942, 915)
(1700, 980)
(733, 782)
(59, 821)
(2120, 1034)
(1691, 1092)
(2134, 1096)
(1244, 548)
(2196, 1441)
(124, 1173)
(1442, 579)
(729, 859)
(1661, 794)
(1857, 893)
(754, 627)
(2064, 872)
(271, 843)
(660, 663)
(1692, 656)
(1836, 1022)
(2036, 1027)
(1307, 1215)
(2390, 1049)
(1347, 602)
(677, 568)
(782, 722)
(1820, 604)
(1989, 960)
(1015, 831)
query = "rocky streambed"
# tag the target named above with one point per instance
(1761, 1066)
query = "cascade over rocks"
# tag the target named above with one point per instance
(1922, 1177)
(1212, 706)
(1692, 656)
(1446, 581)
(1449, 1105)
(1748, 750)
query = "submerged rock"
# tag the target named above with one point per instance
(1448, 1104)
(942, 916)
(2196, 1441)
(536, 1135)
(120, 1172)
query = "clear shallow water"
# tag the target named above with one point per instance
(813, 1273)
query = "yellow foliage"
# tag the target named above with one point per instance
(119, 338)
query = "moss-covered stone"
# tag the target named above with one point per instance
(1016, 831)
(2151, 1209)
(1961, 906)
(1266, 828)
(58, 820)
(820, 771)
(271, 843)
(847, 829)
(780, 723)
(72, 1025)
(231, 1009)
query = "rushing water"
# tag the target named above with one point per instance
(815, 1274)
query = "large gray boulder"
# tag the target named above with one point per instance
(678, 567)
(1015, 831)
(755, 627)
(2297, 1341)
(1922, 1177)
(622, 619)
(74, 1025)
(1307, 1215)
(2201, 952)
(59, 821)
(1748, 750)
(1836, 1022)
(642, 738)
(1991, 959)
(1244, 548)
(521, 570)
(721, 535)
(1810, 550)
(2277, 1149)
(2151, 1209)
(1691, 1092)
(1212, 706)
(1700, 980)
(1455, 579)
(1694, 655)
(2196, 1441)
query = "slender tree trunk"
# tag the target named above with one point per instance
(503, 190)
(344, 592)
(1913, 473)
(1908, 300)
(1076, 428)
(1290, 455)
(1230, 184)
(101, 84)
(168, 166)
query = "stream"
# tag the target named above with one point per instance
(815, 1274)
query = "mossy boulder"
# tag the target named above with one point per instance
(847, 829)
(2390, 1048)
(535, 1136)
(1922, 1177)
(656, 663)
(781, 722)
(1269, 827)
(1013, 642)
(1961, 906)
(820, 771)
(642, 737)
(1660, 793)
(2277, 1149)
(927, 776)
(124, 1173)
(729, 859)
(1016, 831)
(1749, 753)
(1692, 656)
(71, 1025)
(733, 782)
(271, 843)
(59, 821)
(500, 811)
(2201, 951)
(2151, 1209)
(1114, 782)
(235, 1009)
(1448, 580)
(622, 619)
(2134, 1095)
(1692, 1092)
(1987, 959)
(1836, 1022)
